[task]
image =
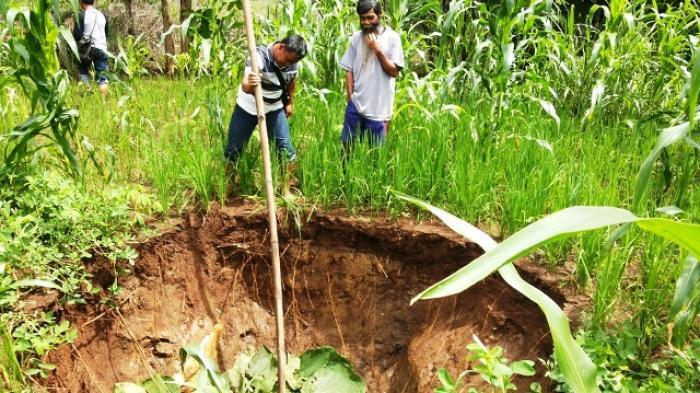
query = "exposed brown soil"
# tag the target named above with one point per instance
(347, 283)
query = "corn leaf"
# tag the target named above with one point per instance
(668, 137)
(576, 366)
(686, 300)
(694, 88)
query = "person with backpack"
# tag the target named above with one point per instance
(90, 34)
(278, 71)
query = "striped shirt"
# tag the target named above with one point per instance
(268, 79)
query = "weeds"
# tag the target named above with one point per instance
(492, 366)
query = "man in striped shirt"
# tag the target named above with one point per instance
(278, 71)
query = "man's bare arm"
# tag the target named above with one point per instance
(349, 84)
(387, 65)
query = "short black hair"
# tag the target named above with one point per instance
(365, 6)
(295, 43)
(88, 2)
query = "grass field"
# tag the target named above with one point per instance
(505, 115)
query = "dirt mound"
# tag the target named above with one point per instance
(347, 283)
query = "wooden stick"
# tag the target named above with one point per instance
(271, 208)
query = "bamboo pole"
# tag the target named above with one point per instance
(271, 208)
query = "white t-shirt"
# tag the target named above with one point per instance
(373, 89)
(94, 25)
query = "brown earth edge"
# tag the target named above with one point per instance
(347, 283)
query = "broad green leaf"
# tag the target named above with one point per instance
(337, 378)
(508, 56)
(263, 370)
(551, 111)
(684, 234)
(559, 225)
(161, 384)
(685, 284)
(204, 361)
(672, 211)
(314, 359)
(523, 367)
(578, 369)
(323, 368)
(68, 37)
(128, 387)
(445, 378)
(186, 25)
(686, 300)
(12, 14)
(292, 371)
(596, 96)
(576, 366)
(668, 137)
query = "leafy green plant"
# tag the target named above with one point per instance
(576, 366)
(213, 49)
(51, 223)
(131, 57)
(623, 365)
(33, 65)
(492, 366)
(686, 302)
(33, 338)
(318, 370)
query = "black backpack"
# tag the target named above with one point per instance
(85, 44)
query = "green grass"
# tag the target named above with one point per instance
(470, 136)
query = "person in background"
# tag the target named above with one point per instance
(372, 61)
(91, 35)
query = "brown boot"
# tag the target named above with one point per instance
(291, 179)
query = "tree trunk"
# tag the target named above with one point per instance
(185, 11)
(129, 18)
(169, 42)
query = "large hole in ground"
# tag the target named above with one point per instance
(347, 283)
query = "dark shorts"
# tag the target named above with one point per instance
(358, 125)
(99, 61)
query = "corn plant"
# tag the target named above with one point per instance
(577, 368)
(215, 43)
(33, 66)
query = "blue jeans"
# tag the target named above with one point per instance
(241, 128)
(99, 60)
(356, 124)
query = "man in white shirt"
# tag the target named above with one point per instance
(93, 25)
(371, 63)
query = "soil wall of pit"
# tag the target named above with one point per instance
(347, 283)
